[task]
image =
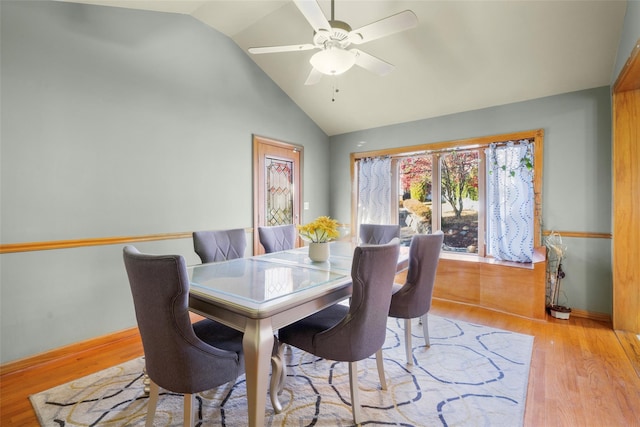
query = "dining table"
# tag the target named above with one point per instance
(260, 294)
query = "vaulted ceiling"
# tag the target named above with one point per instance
(463, 55)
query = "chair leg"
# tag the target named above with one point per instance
(407, 341)
(278, 375)
(425, 329)
(355, 399)
(146, 380)
(189, 411)
(154, 391)
(380, 364)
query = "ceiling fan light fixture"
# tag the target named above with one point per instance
(333, 61)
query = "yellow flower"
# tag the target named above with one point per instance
(323, 229)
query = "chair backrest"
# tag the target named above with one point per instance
(175, 358)
(414, 298)
(363, 330)
(277, 238)
(378, 234)
(220, 245)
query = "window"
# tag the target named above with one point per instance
(483, 193)
(459, 200)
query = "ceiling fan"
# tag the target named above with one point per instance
(334, 38)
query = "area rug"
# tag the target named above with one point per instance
(472, 375)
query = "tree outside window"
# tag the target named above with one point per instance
(459, 200)
(458, 196)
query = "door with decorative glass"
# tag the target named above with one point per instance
(277, 195)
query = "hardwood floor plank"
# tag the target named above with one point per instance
(581, 374)
(17, 385)
(631, 344)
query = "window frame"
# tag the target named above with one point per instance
(536, 136)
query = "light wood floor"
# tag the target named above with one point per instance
(580, 374)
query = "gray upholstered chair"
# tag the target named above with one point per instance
(220, 245)
(355, 332)
(179, 356)
(378, 234)
(277, 238)
(413, 299)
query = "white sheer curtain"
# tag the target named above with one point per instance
(374, 191)
(510, 201)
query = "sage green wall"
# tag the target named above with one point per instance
(119, 122)
(576, 180)
(629, 38)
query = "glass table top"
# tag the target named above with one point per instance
(258, 280)
(266, 281)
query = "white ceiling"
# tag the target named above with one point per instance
(463, 55)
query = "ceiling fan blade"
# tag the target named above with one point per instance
(313, 78)
(384, 27)
(312, 12)
(276, 49)
(371, 63)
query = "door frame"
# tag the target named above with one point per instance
(263, 146)
(626, 217)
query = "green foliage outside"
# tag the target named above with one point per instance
(415, 171)
(417, 191)
(459, 178)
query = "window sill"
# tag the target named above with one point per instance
(539, 255)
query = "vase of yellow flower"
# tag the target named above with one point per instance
(319, 251)
(319, 233)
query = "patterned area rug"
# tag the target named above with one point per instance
(472, 375)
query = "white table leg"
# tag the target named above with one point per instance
(257, 345)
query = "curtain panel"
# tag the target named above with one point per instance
(510, 201)
(374, 191)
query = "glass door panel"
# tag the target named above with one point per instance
(279, 191)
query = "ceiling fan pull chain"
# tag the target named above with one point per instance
(334, 90)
